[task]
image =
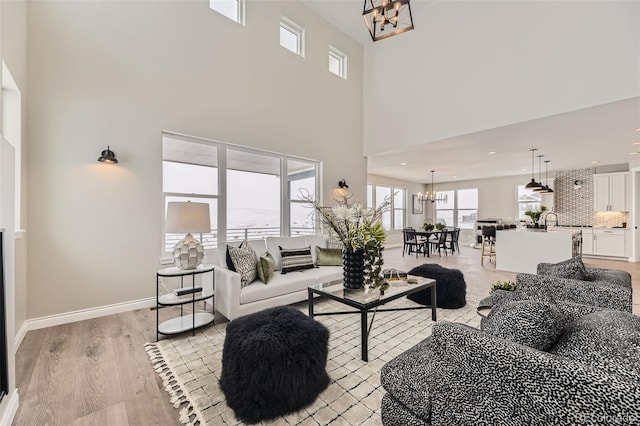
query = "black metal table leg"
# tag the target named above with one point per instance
(310, 302)
(365, 336)
(433, 303)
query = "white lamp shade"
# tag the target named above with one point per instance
(184, 218)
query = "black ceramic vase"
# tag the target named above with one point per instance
(353, 266)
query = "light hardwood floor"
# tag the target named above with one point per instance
(96, 372)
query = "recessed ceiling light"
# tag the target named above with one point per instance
(455, 177)
(524, 170)
(403, 164)
(594, 162)
(492, 152)
(633, 153)
(637, 129)
(637, 143)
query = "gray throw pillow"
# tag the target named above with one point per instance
(608, 340)
(245, 261)
(571, 268)
(528, 322)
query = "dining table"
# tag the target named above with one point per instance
(427, 235)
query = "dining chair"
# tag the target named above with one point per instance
(411, 243)
(452, 241)
(440, 242)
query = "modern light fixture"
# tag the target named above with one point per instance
(108, 156)
(432, 197)
(533, 184)
(541, 187)
(343, 184)
(546, 189)
(385, 18)
(185, 218)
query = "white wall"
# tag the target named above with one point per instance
(13, 53)
(413, 220)
(476, 65)
(9, 403)
(117, 73)
(497, 197)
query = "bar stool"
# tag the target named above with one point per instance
(488, 242)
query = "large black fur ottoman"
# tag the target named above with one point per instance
(451, 290)
(273, 363)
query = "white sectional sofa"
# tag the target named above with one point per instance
(233, 301)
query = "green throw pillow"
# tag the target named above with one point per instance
(265, 268)
(329, 256)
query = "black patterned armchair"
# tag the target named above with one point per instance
(588, 375)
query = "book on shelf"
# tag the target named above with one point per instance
(186, 290)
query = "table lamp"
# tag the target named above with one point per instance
(185, 218)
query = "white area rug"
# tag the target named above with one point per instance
(190, 366)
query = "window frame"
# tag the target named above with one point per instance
(372, 201)
(342, 61)
(456, 210)
(518, 202)
(288, 25)
(239, 12)
(220, 227)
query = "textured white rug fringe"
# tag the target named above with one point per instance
(188, 414)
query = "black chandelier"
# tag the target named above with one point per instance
(442, 198)
(385, 18)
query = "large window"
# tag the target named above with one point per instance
(301, 180)
(467, 208)
(460, 209)
(445, 210)
(394, 218)
(527, 200)
(190, 173)
(244, 188)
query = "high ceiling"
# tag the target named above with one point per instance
(604, 134)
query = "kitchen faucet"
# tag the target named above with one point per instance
(547, 217)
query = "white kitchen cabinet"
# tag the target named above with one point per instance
(587, 241)
(610, 192)
(609, 242)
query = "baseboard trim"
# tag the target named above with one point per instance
(11, 410)
(22, 331)
(84, 314)
(393, 245)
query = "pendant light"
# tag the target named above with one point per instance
(533, 184)
(546, 189)
(541, 187)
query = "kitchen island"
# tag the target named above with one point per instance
(522, 250)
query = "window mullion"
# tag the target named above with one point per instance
(285, 208)
(222, 190)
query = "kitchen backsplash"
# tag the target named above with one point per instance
(611, 219)
(574, 197)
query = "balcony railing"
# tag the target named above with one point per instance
(210, 240)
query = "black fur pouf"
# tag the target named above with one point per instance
(451, 290)
(273, 363)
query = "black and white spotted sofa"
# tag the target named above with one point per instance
(589, 375)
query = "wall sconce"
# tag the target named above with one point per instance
(108, 156)
(343, 184)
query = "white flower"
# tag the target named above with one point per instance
(368, 214)
(342, 212)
